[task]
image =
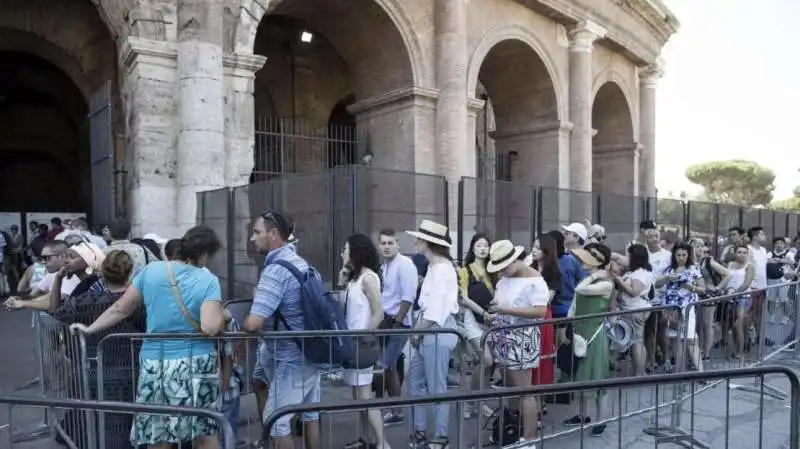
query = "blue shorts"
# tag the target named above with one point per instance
(394, 347)
(291, 383)
(230, 408)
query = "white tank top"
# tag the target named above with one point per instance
(738, 276)
(359, 312)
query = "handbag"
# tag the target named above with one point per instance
(364, 350)
(478, 292)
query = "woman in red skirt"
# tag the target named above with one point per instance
(545, 262)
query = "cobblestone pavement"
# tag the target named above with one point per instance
(721, 417)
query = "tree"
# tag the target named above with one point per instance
(739, 182)
(792, 203)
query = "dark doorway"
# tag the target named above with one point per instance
(342, 135)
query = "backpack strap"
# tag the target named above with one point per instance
(297, 275)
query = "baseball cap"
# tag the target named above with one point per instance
(577, 228)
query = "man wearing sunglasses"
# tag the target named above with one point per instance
(281, 366)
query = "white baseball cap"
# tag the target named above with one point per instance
(577, 228)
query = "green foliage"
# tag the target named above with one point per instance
(739, 182)
(789, 203)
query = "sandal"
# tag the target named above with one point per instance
(360, 444)
(439, 443)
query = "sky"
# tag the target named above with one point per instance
(731, 90)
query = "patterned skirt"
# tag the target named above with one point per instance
(186, 382)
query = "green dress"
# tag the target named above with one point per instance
(595, 365)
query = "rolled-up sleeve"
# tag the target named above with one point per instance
(407, 274)
(268, 292)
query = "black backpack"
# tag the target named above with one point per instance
(478, 292)
(512, 427)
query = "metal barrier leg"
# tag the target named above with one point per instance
(674, 433)
(759, 385)
(43, 429)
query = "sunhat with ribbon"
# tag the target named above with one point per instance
(620, 335)
(432, 232)
(91, 254)
(502, 253)
(591, 258)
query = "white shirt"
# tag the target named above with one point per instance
(438, 298)
(759, 258)
(660, 261)
(68, 284)
(358, 310)
(518, 292)
(627, 302)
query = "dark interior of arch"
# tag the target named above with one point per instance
(44, 139)
(611, 117)
(518, 85)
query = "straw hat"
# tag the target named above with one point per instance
(502, 254)
(432, 232)
(590, 259)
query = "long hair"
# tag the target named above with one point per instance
(559, 238)
(470, 256)
(548, 264)
(638, 257)
(689, 252)
(363, 254)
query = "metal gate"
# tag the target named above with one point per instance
(102, 151)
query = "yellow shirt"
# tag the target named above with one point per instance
(478, 273)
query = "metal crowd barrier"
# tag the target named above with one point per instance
(740, 424)
(99, 363)
(87, 408)
(776, 336)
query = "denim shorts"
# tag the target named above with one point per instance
(230, 408)
(394, 347)
(291, 383)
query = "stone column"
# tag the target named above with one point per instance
(240, 72)
(580, 102)
(150, 92)
(450, 22)
(648, 77)
(201, 121)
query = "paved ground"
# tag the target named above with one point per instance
(752, 421)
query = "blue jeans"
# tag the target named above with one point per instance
(428, 375)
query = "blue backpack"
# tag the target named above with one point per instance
(321, 312)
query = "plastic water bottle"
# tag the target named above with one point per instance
(753, 336)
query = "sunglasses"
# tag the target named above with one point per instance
(279, 221)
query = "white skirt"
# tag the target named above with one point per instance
(358, 377)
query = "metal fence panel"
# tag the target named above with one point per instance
(504, 210)
(562, 206)
(701, 220)
(794, 224)
(671, 215)
(620, 215)
(751, 217)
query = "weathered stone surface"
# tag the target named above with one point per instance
(190, 93)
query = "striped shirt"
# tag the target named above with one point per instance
(279, 290)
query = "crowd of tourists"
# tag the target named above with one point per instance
(500, 289)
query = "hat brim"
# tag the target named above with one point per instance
(429, 239)
(626, 340)
(493, 267)
(586, 258)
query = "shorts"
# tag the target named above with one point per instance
(230, 408)
(637, 322)
(291, 383)
(262, 361)
(358, 377)
(392, 350)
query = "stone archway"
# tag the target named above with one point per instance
(615, 152)
(354, 50)
(521, 96)
(53, 55)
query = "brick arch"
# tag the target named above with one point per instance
(395, 21)
(612, 76)
(506, 32)
(612, 115)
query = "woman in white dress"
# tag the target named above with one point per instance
(363, 310)
(521, 297)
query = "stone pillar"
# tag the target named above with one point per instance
(150, 91)
(201, 121)
(240, 72)
(542, 153)
(648, 78)
(450, 22)
(400, 136)
(580, 102)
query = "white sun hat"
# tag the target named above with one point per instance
(502, 254)
(577, 228)
(432, 232)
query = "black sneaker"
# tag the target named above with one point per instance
(577, 420)
(598, 431)
(390, 419)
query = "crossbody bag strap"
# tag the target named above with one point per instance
(176, 293)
